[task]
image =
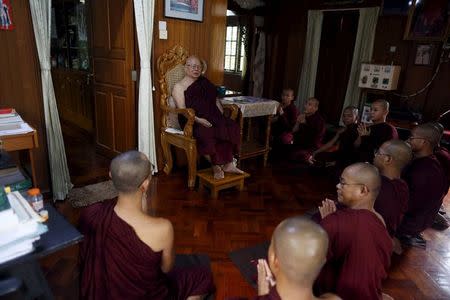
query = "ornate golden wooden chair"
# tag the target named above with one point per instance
(171, 70)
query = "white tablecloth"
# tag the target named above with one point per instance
(253, 106)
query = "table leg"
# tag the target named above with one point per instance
(33, 169)
(267, 146)
(214, 192)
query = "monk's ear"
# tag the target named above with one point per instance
(364, 189)
(144, 186)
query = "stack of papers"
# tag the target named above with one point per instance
(20, 226)
(11, 123)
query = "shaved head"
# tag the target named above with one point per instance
(193, 59)
(383, 103)
(429, 132)
(366, 174)
(301, 247)
(314, 101)
(400, 152)
(129, 170)
(352, 109)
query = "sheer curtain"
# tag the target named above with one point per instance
(144, 15)
(307, 82)
(258, 66)
(41, 17)
(367, 25)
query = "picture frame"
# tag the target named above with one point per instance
(428, 20)
(424, 54)
(365, 114)
(191, 10)
(6, 22)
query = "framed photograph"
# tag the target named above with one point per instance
(184, 9)
(424, 55)
(428, 20)
(6, 22)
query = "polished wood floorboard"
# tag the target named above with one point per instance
(241, 219)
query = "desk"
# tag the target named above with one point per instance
(26, 141)
(254, 107)
(60, 234)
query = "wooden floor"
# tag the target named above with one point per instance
(237, 220)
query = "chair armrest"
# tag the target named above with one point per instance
(189, 113)
(233, 110)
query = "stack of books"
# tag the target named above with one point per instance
(11, 123)
(20, 226)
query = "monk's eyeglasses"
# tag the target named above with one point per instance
(198, 67)
(342, 183)
(378, 152)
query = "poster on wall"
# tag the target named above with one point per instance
(5, 15)
(184, 9)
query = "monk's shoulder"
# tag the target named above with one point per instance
(158, 226)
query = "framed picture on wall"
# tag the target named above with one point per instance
(428, 20)
(6, 22)
(424, 55)
(184, 9)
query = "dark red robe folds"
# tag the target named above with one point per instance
(379, 133)
(443, 156)
(116, 264)
(427, 187)
(392, 202)
(282, 128)
(346, 151)
(220, 141)
(308, 137)
(359, 255)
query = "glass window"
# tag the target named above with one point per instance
(234, 49)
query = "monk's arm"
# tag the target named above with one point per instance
(327, 145)
(168, 253)
(178, 96)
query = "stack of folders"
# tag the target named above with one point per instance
(20, 226)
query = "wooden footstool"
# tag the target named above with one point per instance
(206, 178)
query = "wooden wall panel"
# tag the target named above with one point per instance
(20, 81)
(205, 39)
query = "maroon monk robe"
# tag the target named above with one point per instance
(358, 257)
(443, 156)
(220, 141)
(379, 133)
(392, 202)
(346, 150)
(116, 264)
(285, 123)
(308, 137)
(272, 295)
(427, 188)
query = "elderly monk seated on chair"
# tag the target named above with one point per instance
(127, 254)
(218, 137)
(296, 254)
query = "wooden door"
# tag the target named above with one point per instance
(113, 61)
(335, 61)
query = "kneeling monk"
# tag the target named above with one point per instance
(127, 254)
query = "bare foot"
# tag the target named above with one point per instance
(231, 168)
(218, 172)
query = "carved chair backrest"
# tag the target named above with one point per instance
(171, 70)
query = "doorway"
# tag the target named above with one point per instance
(339, 29)
(93, 56)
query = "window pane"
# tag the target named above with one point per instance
(233, 48)
(232, 63)
(227, 63)
(234, 33)
(228, 32)
(228, 48)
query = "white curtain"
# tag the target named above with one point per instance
(362, 52)
(144, 15)
(307, 82)
(258, 66)
(41, 16)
